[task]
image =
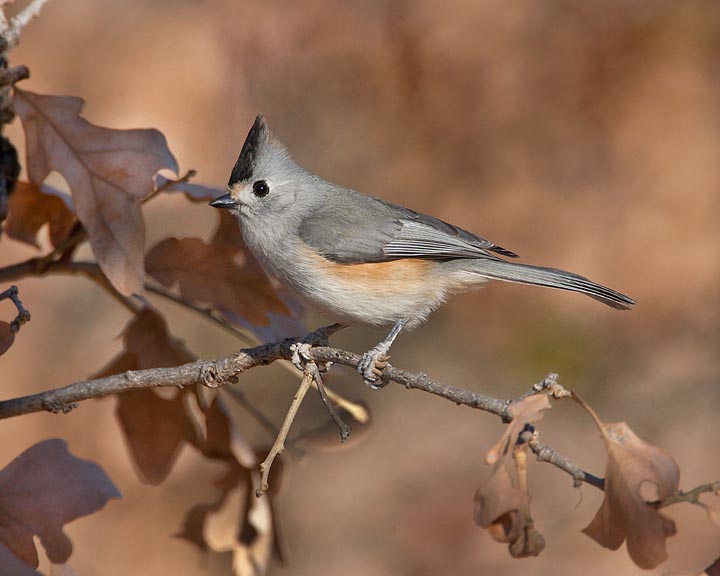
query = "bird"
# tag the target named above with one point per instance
(361, 260)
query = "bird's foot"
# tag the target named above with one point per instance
(371, 366)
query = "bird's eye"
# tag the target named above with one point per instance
(261, 188)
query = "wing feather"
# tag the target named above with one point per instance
(354, 228)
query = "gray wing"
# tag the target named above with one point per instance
(353, 228)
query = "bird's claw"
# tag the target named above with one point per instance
(371, 367)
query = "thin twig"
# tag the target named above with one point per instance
(23, 315)
(168, 183)
(343, 428)
(545, 453)
(279, 444)
(12, 31)
(692, 496)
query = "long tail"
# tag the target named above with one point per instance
(552, 278)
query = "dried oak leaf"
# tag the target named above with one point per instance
(7, 337)
(236, 522)
(222, 273)
(109, 173)
(223, 440)
(624, 514)
(31, 207)
(499, 502)
(526, 411)
(43, 489)
(155, 428)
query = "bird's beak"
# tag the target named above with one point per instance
(225, 201)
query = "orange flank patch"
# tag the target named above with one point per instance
(405, 270)
(394, 277)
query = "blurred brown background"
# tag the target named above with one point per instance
(583, 134)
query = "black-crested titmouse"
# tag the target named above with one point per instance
(361, 260)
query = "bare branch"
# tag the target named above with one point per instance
(279, 444)
(420, 382)
(215, 373)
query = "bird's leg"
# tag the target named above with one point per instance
(374, 361)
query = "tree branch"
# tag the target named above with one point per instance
(214, 373)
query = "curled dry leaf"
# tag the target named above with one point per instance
(32, 206)
(498, 502)
(7, 337)
(43, 489)
(501, 505)
(222, 273)
(529, 543)
(109, 173)
(526, 411)
(236, 522)
(624, 514)
(155, 428)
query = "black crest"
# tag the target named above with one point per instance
(245, 164)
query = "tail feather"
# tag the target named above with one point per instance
(551, 278)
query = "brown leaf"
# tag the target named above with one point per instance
(498, 502)
(222, 273)
(223, 440)
(13, 566)
(235, 522)
(33, 206)
(501, 506)
(526, 411)
(147, 337)
(154, 428)
(7, 337)
(43, 489)
(529, 543)
(194, 522)
(624, 514)
(109, 173)
(243, 525)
